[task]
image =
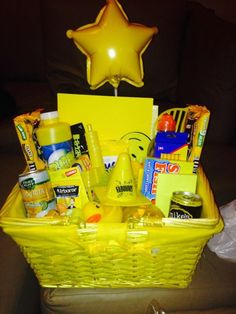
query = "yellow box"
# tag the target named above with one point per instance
(112, 255)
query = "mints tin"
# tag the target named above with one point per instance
(37, 193)
(185, 205)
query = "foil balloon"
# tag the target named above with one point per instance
(113, 47)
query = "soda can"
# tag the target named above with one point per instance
(185, 205)
(37, 193)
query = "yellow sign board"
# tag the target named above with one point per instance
(111, 116)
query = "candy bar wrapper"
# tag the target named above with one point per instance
(196, 125)
(25, 125)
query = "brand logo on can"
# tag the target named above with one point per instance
(185, 205)
(28, 184)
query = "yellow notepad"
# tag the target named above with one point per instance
(169, 183)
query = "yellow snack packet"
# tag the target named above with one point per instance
(69, 191)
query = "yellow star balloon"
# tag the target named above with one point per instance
(113, 47)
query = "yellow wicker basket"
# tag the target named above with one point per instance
(112, 255)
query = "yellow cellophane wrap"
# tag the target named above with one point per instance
(63, 254)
